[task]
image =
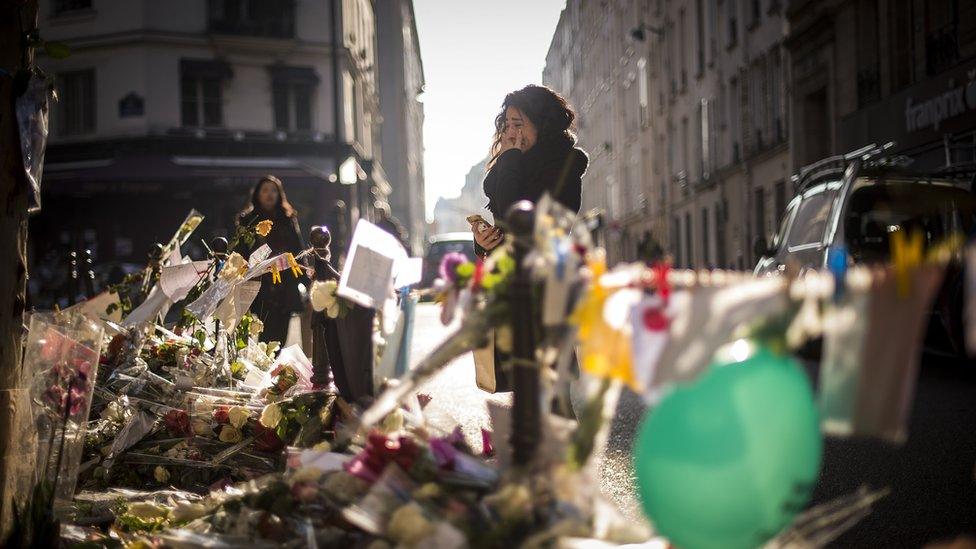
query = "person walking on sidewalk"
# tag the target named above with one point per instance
(275, 303)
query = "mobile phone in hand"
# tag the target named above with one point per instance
(478, 223)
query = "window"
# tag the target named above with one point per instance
(269, 18)
(62, 6)
(779, 197)
(733, 23)
(201, 101)
(76, 105)
(810, 220)
(683, 48)
(760, 212)
(734, 119)
(292, 106)
(291, 94)
(700, 20)
(705, 138)
(688, 250)
(642, 91)
(676, 241)
(706, 249)
(756, 14)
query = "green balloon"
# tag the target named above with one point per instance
(729, 460)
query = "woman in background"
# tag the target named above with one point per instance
(275, 303)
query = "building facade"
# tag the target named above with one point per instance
(879, 71)
(401, 82)
(167, 106)
(450, 214)
(682, 106)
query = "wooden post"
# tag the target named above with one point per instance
(526, 412)
(16, 452)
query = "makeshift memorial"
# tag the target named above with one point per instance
(714, 467)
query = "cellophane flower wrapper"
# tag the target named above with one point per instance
(62, 356)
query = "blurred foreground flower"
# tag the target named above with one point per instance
(263, 228)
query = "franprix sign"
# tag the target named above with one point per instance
(931, 111)
(916, 116)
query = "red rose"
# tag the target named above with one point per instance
(178, 423)
(266, 440)
(220, 415)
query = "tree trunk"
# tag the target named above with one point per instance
(17, 455)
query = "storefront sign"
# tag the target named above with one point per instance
(932, 111)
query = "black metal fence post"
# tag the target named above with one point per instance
(320, 239)
(526, 413)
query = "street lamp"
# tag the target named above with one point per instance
(640, 33)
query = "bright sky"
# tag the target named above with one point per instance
(474, 52)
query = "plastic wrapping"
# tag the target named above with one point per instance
(62, 355)
(32, 122)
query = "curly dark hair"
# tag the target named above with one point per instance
(548, 111)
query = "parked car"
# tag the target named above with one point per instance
(857, 201)
(439, 246)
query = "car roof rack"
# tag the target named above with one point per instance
(817, 171)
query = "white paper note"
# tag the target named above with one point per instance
(177, 280)
(375, 257)
(96, 306)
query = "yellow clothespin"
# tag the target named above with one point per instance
(906, 256)
(293, 265)
(275, 273)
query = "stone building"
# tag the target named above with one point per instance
(450, 214)
(167, 106)
(682, 108)
(401, 82)
(878, 71)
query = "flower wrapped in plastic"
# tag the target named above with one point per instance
(63, 353)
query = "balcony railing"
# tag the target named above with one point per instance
(266, 18)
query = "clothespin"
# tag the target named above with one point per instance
(293, 265)
(837, 265)
(906, 255)
(275, 274)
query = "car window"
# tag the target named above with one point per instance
(810, 220)
(876, 210)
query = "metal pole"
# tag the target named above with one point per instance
(320, 239)
(526, 413)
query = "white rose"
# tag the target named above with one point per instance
(201, 427)
(271, 416)
(231, 434)
(147, 510)
(238, 416)
(318, 295)
(188, 511)
(256, 327)
(161, 474)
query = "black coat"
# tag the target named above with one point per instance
(553, 166)
(285, 236)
